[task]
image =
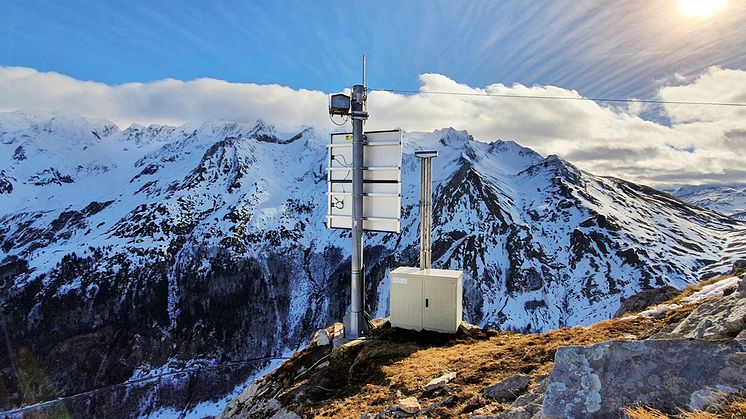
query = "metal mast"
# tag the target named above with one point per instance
(358, 323)
(426, 206)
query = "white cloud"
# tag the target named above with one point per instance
(702, 144)
(166, 101)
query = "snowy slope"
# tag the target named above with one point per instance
(158, 247)
(726, 199)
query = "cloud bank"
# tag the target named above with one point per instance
(702, 144)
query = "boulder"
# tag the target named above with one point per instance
(439, 382)
(528, 405)
(600, 380)
(469, 329)
(322, 338)
(715, 319)
(508, 389)
(409, 405)
(645, 299)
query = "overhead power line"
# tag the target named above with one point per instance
(142, 380)
(592, 99)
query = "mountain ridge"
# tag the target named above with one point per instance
(728, 199)
(212, 237)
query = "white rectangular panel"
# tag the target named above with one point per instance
(381, 181)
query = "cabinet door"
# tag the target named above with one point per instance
(406, 302)
(439, 304)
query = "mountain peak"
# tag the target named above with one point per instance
(452, 137)
(55, 126)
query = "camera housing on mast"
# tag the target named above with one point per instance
(339, 104)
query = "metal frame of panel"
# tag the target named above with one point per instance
(381, 181)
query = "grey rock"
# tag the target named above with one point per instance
(529, 404)
(646, 298)
(409, 405)
(517, 413)
(442, 402)
(439, 382)
(702, 399)
(599, 380)
(665, 332)
(742, 336)
(508, 389)
(470, 329)
(252, 402)
(322, 338)
(534, 397)
(717, 319)
(285, 414)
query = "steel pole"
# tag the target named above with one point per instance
(423, 214)
(358, 323)
(426, 212)
(429, 211)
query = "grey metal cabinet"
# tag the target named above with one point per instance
(429, 299)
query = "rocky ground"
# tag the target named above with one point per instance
(685, 356)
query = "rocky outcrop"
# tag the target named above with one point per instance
(527, 406)
(509, 388)
(717, 319)
(5, 184)
(681, 367)
(602, 379)
(645, 299)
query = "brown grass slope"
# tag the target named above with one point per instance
(370, 376)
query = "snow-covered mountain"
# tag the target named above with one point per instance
(726, 199)
(179, 259)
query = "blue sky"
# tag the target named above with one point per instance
(599, 48)
(168, 62)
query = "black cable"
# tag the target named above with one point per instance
(597, 99)
(347, 175)
(331, 118)
(345, 164)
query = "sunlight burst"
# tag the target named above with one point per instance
(701, 8)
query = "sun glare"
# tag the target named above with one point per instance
(701, 8)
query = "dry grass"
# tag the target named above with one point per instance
(371, 376)
(641, 412)
(730, 407)
(648, 413)
(392, 370)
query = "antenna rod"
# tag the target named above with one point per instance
(365, 73)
